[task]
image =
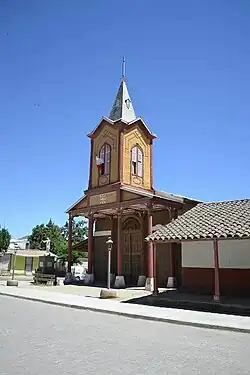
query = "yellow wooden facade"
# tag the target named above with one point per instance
(133, 136)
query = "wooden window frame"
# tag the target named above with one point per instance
(104, 151)
(137, 162)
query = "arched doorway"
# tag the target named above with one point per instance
(132, 250)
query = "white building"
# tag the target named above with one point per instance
(21, 242)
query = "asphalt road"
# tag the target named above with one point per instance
(40, 339)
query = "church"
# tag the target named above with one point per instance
(121, 201)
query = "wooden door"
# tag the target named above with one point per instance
(132, 252)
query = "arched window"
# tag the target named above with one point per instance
(104, 159)
(136, 161)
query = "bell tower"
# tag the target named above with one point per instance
(121, 146)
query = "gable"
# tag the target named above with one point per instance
(81, 203)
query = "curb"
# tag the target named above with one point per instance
(131, 315)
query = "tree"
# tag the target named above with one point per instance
(4, 239)
(79, 231)
(52, 231)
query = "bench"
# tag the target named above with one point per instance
(50, 280)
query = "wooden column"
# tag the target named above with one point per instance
(216, 272)
(90, 244)
(150, 247)
(119, 255)
(156, 291)
(70, 242)
(171, 283)
(171, 254)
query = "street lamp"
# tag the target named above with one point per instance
(109, 242)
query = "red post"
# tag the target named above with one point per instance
(216, 272)
(70, 243)
(155, 291)
(90, 245)
(150, 248)
(172, 267)
(119, 257)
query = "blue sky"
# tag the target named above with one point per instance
(188, 65)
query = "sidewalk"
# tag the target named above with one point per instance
(168, 315)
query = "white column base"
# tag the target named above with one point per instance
(216, 298)
(149, 286)
(141, 280)
(171, 282)
(89, 279)
(119, 282)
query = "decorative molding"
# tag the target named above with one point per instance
(100, 199)
(104, 180)
(108, 137)
(137, 180)
(131, 139)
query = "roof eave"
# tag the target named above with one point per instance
(74, 204)
(92, 133)
(176, 240)
(152, 135)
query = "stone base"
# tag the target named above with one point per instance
(12, 283)
(216, 298)
(149, 286)
(89, 279)
(108, 293)
(171, 282)
(60, 281)
(141, 280)
(119, 282)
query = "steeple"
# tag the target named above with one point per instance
(122, 107)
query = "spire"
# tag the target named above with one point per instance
(122, 107)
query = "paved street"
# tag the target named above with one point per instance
(39, 339)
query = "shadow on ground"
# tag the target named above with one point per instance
(205, 303)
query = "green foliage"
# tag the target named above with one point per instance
(79, 231)
(52, 231)
(59, 237)
(4, 239)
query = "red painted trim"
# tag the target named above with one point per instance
(70, 243)
(119, 255)
(156, 291)
(120, 157)
(151, 165)
(90, 163)
(90, 245)
(172, 261)
(150, 247)
(233, 281)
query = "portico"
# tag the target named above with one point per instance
(129, 222)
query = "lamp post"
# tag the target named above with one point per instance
(16, 247)
(109, 242)
(13, 282)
